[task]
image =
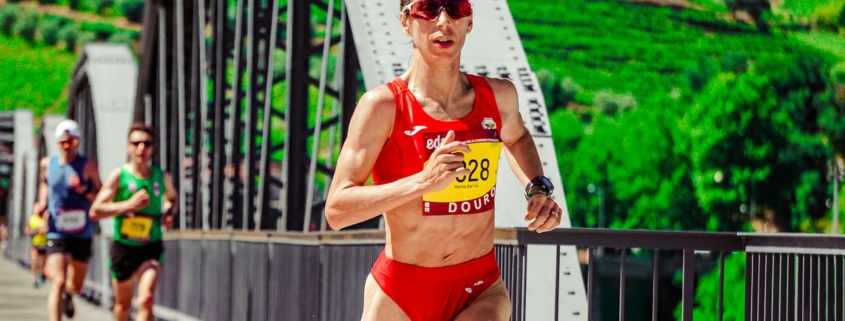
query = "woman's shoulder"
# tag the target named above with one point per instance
(496, 83)
(503, 89)
(379, 99)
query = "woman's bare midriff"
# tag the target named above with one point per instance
(435, 241)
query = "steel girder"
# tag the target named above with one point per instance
(160, 93)
(235, 120)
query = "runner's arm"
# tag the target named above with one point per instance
(103, 207)
(350, 201)
(523, 157)
(92, 175)
(28, 231)
(44, 226)
(171, 200)
(519, 145)
(42, 184)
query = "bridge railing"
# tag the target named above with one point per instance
(787, 276)
(320, 276)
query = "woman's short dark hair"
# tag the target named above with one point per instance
(141, 127)
(402, 5)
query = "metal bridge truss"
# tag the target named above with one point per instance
(211, 78)
(17, 175)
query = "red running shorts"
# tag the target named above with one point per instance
(435, 294)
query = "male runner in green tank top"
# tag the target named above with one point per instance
(141, 198)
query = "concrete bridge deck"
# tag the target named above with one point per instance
(19, 301)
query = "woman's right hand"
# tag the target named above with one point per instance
(445, 164)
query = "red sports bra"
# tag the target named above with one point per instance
(416, 135)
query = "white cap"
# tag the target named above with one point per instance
(67, 127)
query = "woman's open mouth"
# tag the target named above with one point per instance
(443, 43)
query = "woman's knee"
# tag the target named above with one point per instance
(58, 282)
(73, 288)
(122, 307)
(146, 301)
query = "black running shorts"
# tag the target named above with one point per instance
(125, 259)
(79, 249)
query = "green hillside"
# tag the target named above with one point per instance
(631, 48)
(803, 8)
(34, 77)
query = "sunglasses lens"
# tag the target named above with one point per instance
(430, 9)
(426, 9)
(145, 143)
(459, 8)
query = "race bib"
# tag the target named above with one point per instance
(71, 221)
(473, 193)
(137, 228)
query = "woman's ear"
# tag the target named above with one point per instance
(406, 26)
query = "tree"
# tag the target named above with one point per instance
(832, 119)
(632, 167)
(758, 147)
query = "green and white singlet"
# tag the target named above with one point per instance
(145, 227)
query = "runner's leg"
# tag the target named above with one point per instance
(55, 270)
(379, 306)
(76, 275)
(42, 262)
(148, 274)
(34, 259)
(122, 298)
(493, 304)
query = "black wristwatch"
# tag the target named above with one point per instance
(545, 184)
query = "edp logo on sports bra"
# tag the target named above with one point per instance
(434, 143)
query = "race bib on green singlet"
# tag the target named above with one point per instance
(473, 193)
(137, 228)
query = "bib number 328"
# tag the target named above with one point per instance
(477, 170)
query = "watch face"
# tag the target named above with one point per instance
(546, 182)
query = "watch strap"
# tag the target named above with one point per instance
(537, 191)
